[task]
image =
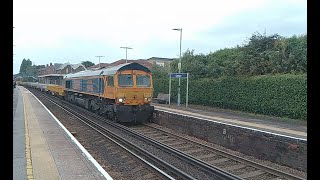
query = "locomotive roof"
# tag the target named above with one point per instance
(109, 70)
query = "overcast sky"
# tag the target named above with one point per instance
(73, 31)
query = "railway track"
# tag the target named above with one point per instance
(239, 166)
(178, 165)
(107, 142)
(185, 159)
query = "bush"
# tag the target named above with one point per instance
(277, 95)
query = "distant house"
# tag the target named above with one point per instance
(58, 68)
(160, 61)
(149, 63)
(122, 61)
(53, 73)
(143, 62)
(102, 65)
(68, 68)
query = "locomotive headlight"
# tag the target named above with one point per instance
(121, 100)
(147, 99)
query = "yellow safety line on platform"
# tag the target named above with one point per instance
(28, 151)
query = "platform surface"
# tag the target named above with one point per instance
(43, 148)
(245, 120)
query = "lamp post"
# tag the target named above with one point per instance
(126, 51)
(99, 59)
(179, 65)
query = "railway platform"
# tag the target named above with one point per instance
(43, 148)
(267, 124)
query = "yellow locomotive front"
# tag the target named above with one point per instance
(123, 93)
(133, 95)
(134, 87)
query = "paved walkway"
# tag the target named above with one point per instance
(19, 156)
(43, 148)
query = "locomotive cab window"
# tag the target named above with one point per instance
(110, 82)
(125, 80)
(143, 81)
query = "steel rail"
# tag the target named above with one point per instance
(123, 142)
(220, 173)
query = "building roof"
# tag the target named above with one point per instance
(75, 66)
(102, 65)
(59, 66)
(160, 58)
(123, 61)
(108, 70)
(52, 75)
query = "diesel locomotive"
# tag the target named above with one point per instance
(123, 93)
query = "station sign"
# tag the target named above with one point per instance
(178, 75)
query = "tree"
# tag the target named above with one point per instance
(262, 54)
(27, 69)
(87, 63)
(159, 72)
(24, 65)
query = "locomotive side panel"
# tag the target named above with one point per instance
(87, 85)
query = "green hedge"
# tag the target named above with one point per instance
(277, 95)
